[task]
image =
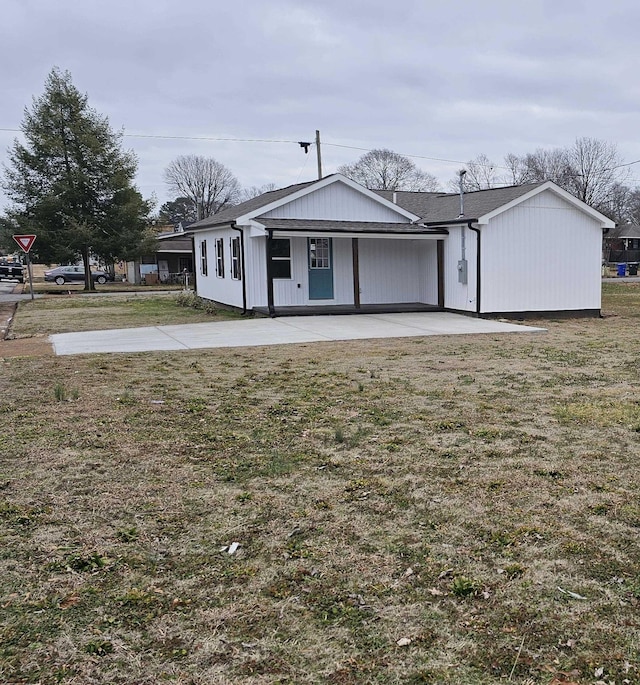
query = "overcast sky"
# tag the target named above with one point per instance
(438, 80)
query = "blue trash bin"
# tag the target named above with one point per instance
(622, 269)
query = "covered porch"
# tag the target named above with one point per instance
(349, 267)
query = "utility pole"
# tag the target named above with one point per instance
(319, 155)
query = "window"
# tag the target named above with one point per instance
(281, 258)
(236, 265)
(220, 258)
(203, 257)
(319, 253)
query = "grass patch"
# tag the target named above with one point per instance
(65, 314)
(422, 510)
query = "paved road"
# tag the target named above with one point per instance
(7, 294)
(283, 330)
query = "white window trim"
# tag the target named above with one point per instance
(219, 250)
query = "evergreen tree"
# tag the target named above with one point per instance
(182, 209)
(71, 183)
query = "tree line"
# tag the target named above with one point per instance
(590, 169)
(72, 183)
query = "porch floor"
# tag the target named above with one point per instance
(314, 310)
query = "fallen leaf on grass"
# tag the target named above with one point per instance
(69, 601)
(403, 642)
(575, 595)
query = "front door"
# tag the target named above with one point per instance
(320, 269)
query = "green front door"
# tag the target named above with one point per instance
(320, 269)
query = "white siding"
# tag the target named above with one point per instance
(458, 295)
(391, 271)
(256, 270)
(336, 202)
(542, 255)
(395, 271)
(211, 287)
(296, 290)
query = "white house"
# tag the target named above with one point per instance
(332, 245)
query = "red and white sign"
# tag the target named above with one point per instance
(25, 241)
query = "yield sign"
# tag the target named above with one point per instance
(25, 241)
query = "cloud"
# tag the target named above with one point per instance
(436, 80)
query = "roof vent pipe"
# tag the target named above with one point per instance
(462, 173)
(462, 263)
(395, 198)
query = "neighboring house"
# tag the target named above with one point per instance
(168, 264)
(622, 244)
(332, 245)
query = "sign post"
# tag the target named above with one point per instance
(25, 242)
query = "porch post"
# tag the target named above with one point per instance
(356, 272)
(440, 257)
(272, 310)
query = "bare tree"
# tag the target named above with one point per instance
(387, 170)
(204, 180)
(633, 207)
(548, 165)
(590, 169)
(254, 191)
(481, 175)
(597, 169)
(517, 171)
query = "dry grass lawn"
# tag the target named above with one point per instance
(65, 314)
(423, 510)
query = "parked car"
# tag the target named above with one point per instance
(71, 274)
(11, 270)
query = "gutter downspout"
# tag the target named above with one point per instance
(478, 264)
(195, 264)
(244, 273)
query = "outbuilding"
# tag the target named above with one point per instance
(334, 246)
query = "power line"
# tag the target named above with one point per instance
(168, 137)
(264, 140)
(340, 145)
(433, 159)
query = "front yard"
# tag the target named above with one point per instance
(424, 510)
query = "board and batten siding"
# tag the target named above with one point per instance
(256, 270)
(225, 290)
(336, 202)
(295, 291)
(542, 255)
(398, 271)
(460, 296)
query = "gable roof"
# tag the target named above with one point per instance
(432, 207)
(264, 203)
(428, 208)
(232, 213)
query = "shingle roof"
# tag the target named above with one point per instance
(624, 231)
(432, 207)
(322, 226)
(232, 213)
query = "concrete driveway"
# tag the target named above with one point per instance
(280, 331)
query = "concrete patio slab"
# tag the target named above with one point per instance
(280, 331)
